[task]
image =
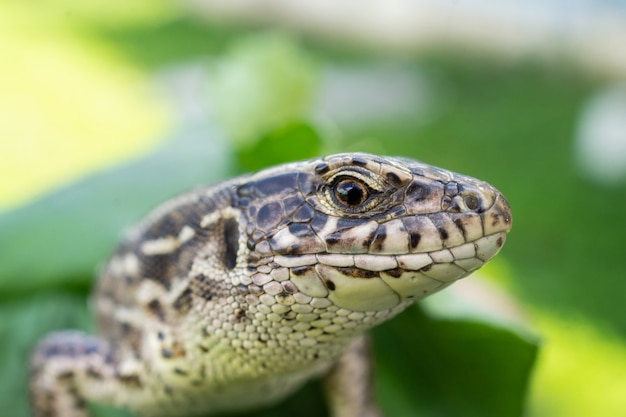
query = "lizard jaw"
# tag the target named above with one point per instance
(365, 282)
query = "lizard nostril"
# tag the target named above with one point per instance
(471, 202)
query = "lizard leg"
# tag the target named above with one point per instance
(65, 369)
(348, 386)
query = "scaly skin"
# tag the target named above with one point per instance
(231, 297)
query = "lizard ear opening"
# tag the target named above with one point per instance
(231, 242)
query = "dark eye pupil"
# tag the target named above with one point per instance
(350, 193)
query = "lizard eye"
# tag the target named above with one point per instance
(350, 193)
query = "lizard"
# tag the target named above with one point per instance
(232, 296)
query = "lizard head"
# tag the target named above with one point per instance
(368, 233)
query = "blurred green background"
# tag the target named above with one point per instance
(108, 108)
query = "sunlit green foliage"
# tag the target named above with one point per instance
(262, 84)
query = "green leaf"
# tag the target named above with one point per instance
(432, 367)
(293, 142)
(58, 240)
(263, 83)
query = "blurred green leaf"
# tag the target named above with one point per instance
(58, 240)
(263, 83)
(180, 38)
(293, 142)
(432, 367)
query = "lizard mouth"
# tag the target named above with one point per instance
(365, 282)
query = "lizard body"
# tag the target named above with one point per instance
(232, 296)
